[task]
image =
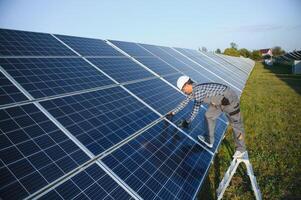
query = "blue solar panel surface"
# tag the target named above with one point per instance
(23, 43)
(121, 69)
(131, 48)
(157, 65)
(89, 46)
(43, 77)
(91, 183)
(33, 152)
(8, 92)
(142, 153)
(102, 118)
(161, 163)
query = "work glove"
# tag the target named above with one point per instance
(183, 124)
(169, 115)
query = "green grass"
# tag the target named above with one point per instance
(271, 107)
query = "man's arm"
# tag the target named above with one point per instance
(195, 110)
(181, 105)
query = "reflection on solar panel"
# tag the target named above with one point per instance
(131, 48)
(22, 43)
(91, 183)
(33, 152)
(8, 92)
(157, 65)
(121, 69)
(161, 163)
(89, 47)
(43, 77)
(102, 118)
(157, 94)
(93, 125)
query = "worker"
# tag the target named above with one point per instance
(220, 98)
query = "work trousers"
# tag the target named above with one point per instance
(232, 111)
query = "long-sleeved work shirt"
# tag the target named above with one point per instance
(205, 92)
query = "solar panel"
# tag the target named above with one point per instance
(137, 152)
(214, 68)
(43, 77)
(181, 66)
(102, 118)
(161, 163)
(89, 46)
(121, 69)
(198, 73)
(23, 43)
(33, 152)
(157, 65)
(131, 48)
(91, 183)
(9, 93)
(239, 68)
(157, 94)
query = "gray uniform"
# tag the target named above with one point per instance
(220, 98)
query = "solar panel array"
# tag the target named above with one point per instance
(83, 118)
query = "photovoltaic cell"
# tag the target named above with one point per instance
(43, 77)
(161, 163)
(23, 43)
(157, 65)
(91, 183)
(33, 152)
(102, 118)
(131, 48)
(157, 94)
(89, 46)
(121, 69)
(9, 93)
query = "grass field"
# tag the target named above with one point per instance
(271, 106)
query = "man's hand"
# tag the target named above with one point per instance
(183, 124)
(169, 115)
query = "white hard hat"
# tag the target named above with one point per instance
(181, 81)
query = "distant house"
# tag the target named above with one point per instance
(265, 52)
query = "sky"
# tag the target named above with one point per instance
(253, 24)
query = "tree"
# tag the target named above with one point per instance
(218, 51)
(245, 52)
(233, 45)
(231, 52)
(256, 55)
(277, 51)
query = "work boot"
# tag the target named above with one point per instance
(205, 140)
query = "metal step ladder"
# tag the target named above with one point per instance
(231, 171)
